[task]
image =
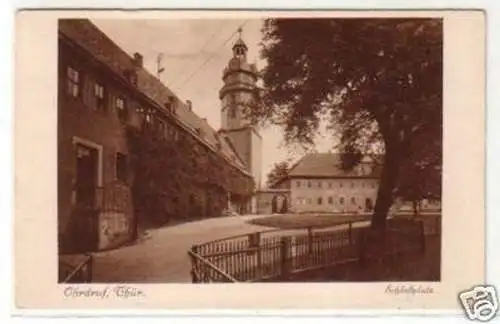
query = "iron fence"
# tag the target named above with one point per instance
(79, 272)
(265, 255)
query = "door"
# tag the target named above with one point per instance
(86, 213)
(284, 205)
(368, 205)
(274, 204)
(86, 176)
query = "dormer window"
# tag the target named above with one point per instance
(131, 76)
(170, 105)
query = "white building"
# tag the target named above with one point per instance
(317, 183)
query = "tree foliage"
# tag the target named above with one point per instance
(377, 81)
(279, 171)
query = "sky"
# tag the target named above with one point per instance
(194, 53)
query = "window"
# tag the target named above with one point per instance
(309, 184)
(309, 201)
(330, 200)
(340, 184)
(121, 167)
(319, 184)
(353, 200)
(99, 96)
(122, 109)
(352, 185)
(320, 200)
(298, 184)
(341, 200)
(73, 85)
(329, 185)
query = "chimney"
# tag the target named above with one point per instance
(138, 60)
(189, 105)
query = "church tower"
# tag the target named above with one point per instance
(238, 91)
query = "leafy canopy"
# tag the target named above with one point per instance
(378, 82)
(279, 171)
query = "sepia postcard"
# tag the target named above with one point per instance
(327, 160)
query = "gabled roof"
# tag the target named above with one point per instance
(329, 165)
(85, 34)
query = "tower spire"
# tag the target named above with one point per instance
(240, 48)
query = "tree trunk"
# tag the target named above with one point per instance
(385, 196)
(415, 207)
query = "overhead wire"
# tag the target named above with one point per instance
(208, 41)
(200, 68)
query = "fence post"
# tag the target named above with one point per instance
(194, 261)
(255, 239)
(309, 241)
(285, 255)
(350, 233)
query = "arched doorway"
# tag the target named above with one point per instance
(274, 204)
(284, 205)
(279, 204)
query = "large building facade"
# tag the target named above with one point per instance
(317, 183)
(103, 94)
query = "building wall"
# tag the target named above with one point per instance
(242, 143)
(256, 158)
(248, 145)
(332, 195)
(80, 122)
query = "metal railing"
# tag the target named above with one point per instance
(266, 255)
(80, 272)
